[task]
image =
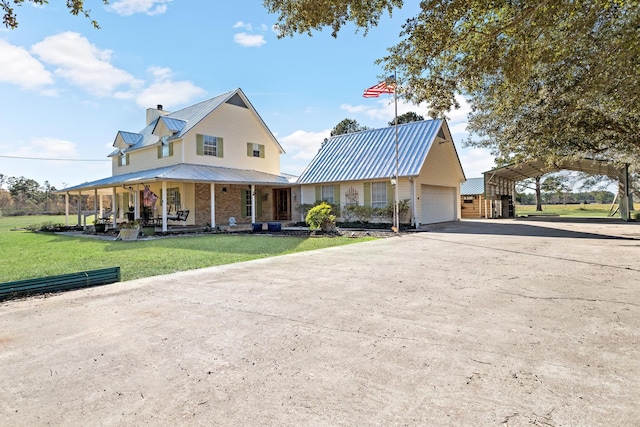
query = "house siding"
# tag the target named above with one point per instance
(437, 170)
(237, 126)
(147, 158)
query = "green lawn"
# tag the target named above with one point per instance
(27, 255)
(590, 210)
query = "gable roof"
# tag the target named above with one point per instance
(182, 121)
(472, 187)
(371, 154)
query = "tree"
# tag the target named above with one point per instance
(407, 117)
(347, 126)
(76, 7)
(24, 191)
(545, 78)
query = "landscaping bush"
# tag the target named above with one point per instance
(320, 217)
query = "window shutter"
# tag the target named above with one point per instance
(249, 149)
(220, 147)
(336, 194)
(128, 161)
(258, 203)
(160, 151)
(390, 193)
(367, 194)
(119, 161)
(262, 151)
(171, 149)
(318, 193)
(199, 145)
(243, 202)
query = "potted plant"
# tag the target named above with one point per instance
(129, 230)
(100, 226)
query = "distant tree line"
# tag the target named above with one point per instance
(25, 196)
(555, 197)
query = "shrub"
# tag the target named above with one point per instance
(359, 212)
(321, 218)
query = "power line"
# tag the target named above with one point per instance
(61, 160)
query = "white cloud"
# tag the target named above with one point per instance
(164, 90)
(475, 161)
(301, 146)
(148, 7)
(45, 148)
(249, 40)
(241, 24)
(83, 64)
(20, 68)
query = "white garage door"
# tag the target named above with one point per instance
(438, 204)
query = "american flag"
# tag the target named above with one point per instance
(388, 86)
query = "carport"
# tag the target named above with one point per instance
(500, 183)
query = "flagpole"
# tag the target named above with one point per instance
(396, 218)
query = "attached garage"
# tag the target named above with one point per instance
(438, 204)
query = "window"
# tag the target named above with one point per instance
(210, 145)
(327, 194)
(255, 150)
(378, 194)
(351, 197)
(123, 159)
(247, 203)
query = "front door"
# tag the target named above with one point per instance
(282, 204)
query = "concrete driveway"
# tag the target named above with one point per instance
(474, 323)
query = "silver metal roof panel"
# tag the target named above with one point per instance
(371, 154)
(472, 186)
(185, 172)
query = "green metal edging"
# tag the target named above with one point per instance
(62, 282)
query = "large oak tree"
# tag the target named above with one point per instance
(545, 78)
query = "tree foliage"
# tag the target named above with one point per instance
(545, 78)
(10, 18)
(407, 117)
(347, 126)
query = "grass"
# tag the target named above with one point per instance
(27, 255)
(581, 210)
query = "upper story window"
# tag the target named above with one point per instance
(123, 159)
(165, 150)
(378, 194)
(208, 145)
(255, 150)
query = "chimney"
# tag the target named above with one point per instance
(154, 113)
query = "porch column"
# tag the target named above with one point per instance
(136, 202)
(253, 203)
(212, 187)
(66, 209)
(79, 207)
(164, 206)
(95, 204)
(114, 206)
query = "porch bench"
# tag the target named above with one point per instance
(179, 216)
(58, 283)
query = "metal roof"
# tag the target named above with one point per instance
(130, 137)
(531, 169)
(182, 121)
(371, 154)
(472, 186)
(185, 172)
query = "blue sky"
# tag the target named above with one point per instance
(66, 88)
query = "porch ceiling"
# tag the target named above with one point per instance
(521, 171)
